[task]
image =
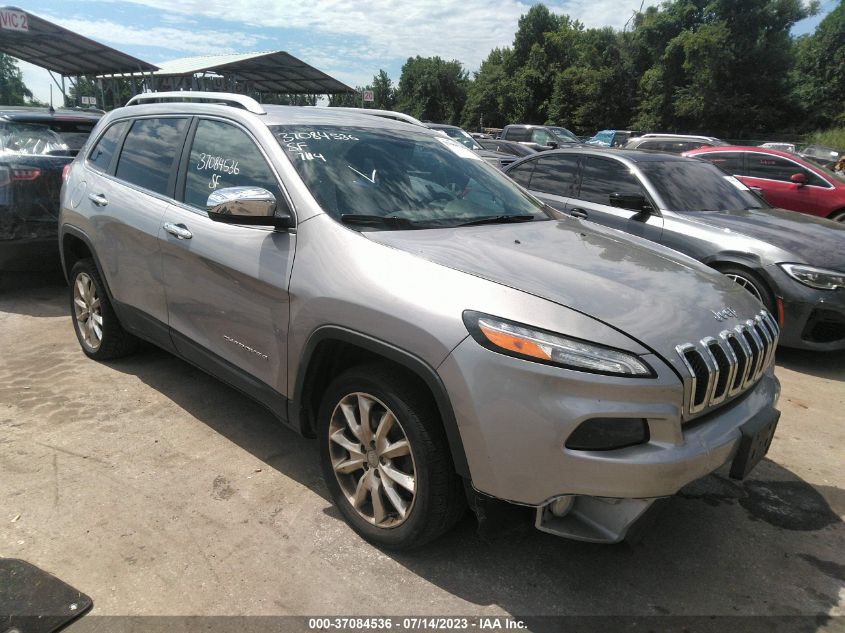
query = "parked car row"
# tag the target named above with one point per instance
(572, 339)
(793, 264)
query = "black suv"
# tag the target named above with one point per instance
(35, 146)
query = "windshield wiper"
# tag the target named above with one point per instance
(498, 219)
(390, 221)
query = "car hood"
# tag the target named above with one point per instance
(806, 238)
(655, 295)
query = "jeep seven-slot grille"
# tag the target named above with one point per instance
(720, 368)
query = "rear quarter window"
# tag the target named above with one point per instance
(103, 152)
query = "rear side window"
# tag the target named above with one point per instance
(518, 134)
(773, 167)
(149, 153)
(223, 155)
(103, 152)
(555, 175)
(602, 177)
(730, 163)
(522, 173)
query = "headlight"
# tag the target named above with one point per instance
(528, 343)
(815, 277)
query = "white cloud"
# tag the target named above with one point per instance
(464, 30)
(188, 41)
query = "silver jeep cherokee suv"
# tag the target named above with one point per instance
(441, 332)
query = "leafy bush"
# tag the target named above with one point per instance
(834, 137)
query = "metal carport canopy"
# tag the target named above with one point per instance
(39, 42)
(275, 71)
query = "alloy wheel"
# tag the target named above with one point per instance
(747, 284)
(89, 317)
(371, 459)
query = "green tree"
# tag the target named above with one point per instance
(720, 66)
(347, 99)
(384, 94)
(13, 91)
(488, 94)
(819, 76)
(432, 89)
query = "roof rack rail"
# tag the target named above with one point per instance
(242, 101)
(385, 114)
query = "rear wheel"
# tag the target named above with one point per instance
(837, 216)
(385, 458)
(752, 283)
(96, 325)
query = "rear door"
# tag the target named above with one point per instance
(131, 179)
(227, 285)
(601, 178)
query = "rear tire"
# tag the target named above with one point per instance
(385, 458)
(752, 283)
(97, 327)
(837, 216)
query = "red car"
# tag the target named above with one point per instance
(785, 180)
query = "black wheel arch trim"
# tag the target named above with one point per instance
(69, 229)
(392, 353)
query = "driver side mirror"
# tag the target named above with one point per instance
(633, 201)
(252, 206)
(798, 179)
(552, 144)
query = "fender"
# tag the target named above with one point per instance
(411, 362)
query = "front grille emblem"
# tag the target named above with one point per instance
(724, 314)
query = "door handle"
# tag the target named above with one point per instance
(578, 212)
(180, 231)
(99, 199)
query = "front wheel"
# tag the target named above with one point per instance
(385, 458)
(753, 284)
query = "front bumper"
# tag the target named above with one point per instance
(812, 319)
(515, 417)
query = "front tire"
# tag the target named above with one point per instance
(837, 216)
(385, 458)
(97, 327)
(753, 284)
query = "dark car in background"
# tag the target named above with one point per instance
(506, 147)
(672, 143)
(35, 146)
(821, 155)
(539, 137)
(495, 158)
(784, 179)
(794, 264)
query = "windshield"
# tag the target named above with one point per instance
(459, 135)
(56, 138)
(565, 135)
(691, 185)
(407, 178)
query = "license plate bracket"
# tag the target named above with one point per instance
(756, 439)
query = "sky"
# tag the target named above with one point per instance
(348, 39)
